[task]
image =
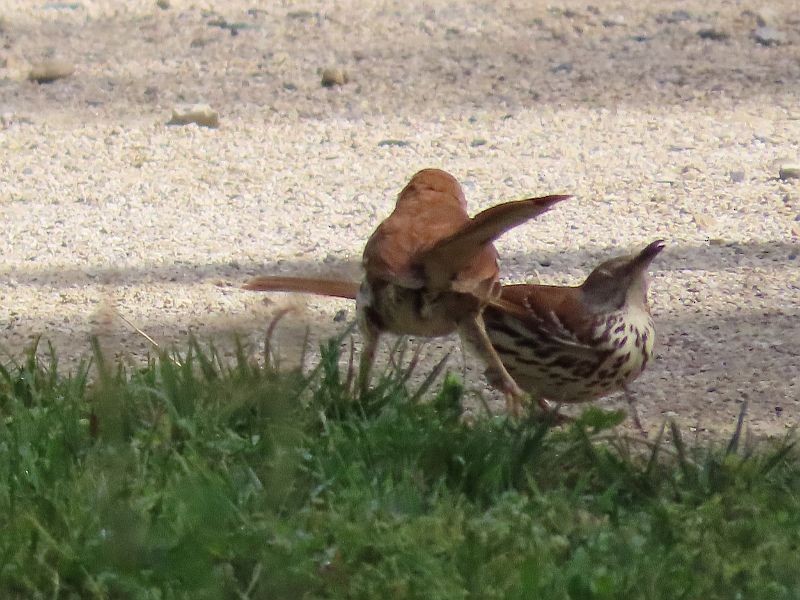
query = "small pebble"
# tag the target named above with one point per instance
(7, 119)
(332, 77)
(737, 176)
(50, 70)
(713, 34)
(384, 143)
(614, 21)
(300, 15)
(766, 15)
(704, 221)
(163, 4)
(769, 36)
(789, 172)
(478, 142)
(233, 28)
(201, 114)
(676, 16)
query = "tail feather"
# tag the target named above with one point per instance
(304, 285)
(451, 255)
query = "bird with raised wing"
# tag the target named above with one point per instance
(430, 269)
(566, 344)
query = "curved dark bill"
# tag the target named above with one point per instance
(645, 257)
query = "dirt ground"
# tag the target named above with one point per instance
(668, 119)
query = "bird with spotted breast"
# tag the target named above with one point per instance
(430, 270)
(560, 343)
(573, 344)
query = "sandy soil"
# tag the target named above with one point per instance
(659, 127)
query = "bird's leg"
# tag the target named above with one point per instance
(629, 397)
(497, 382)
(545, 405)
(371, 336)
(474, 332)
(370, 333)
(550, 413)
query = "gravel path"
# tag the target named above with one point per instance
(667, 120)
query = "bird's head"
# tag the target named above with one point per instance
(620, 280)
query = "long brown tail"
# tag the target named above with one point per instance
(452, 254)
(305, 285)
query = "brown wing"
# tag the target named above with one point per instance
(305, 285)
(457, 256)
(430, 208)
(555, 310)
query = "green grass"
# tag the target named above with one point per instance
(193, 478)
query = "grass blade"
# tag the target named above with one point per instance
(733, 444)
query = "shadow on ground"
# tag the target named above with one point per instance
(684, 257)
(403, 62)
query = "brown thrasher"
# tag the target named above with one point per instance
(430, 269)
(565, 344)
(573, 344)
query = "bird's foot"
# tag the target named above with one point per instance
(549, 413)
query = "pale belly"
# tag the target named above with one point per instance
(565, 372)
(405, 311)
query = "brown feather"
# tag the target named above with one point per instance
(429, 270)
(573, 344)
(305, 285)
(431, 207)
(448, 258)
(546, 307)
